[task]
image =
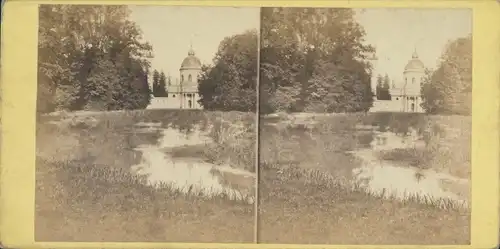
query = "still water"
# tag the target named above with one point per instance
(383, 176)
(189, 175)
(394, 178)
(399, 180)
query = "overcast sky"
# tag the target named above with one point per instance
(170, 30)
(396, 32)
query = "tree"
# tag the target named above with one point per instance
(380, 83)
(231, 83)
(136, 94)
(145, 88)
(156, 83)
(386, 86)
(383, 87)
(84, 54)
(162, 85)
(448, 89)
(297, 44)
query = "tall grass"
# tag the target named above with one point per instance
(314, 148)
(83, 170)
(114, 205)
(105, 142)
(234, 142)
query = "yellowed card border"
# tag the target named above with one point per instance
(19, 59)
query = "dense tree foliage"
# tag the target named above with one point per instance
(383, 87)
(231, 83)
(448, 89)
(159, 84)
(91, 57)
(156, 82)
(314, 60)
(163, 85)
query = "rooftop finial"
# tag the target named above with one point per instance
(415, 55)
(191, 51)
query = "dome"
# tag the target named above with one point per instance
(415, 64)
(191, 61)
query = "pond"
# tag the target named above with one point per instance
(354, 152)
(401, 180)
(189, 175)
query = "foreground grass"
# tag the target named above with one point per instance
(303, 199)
(85, 191)
(300, 208)
(78, 201)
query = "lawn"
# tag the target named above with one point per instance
(304, 198)
(85, 191)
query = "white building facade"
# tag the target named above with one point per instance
(183, 93)
(406, 95)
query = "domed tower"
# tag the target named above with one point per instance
(190, 69)
(414, 74)
(189, 72)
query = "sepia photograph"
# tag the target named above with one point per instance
(146, 123)
(365, 126)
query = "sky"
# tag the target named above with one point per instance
(170, 30)
(396, 33)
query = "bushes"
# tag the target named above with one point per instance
(235, 142)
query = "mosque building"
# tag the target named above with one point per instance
(182, 94)
(406, 95)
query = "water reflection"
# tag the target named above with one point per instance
(395, 179)
(392, 153)
(189, 175)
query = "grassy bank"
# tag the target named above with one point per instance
(447, 138)
(86, 193)
(303, 199)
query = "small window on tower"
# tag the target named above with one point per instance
(413, 80)
(190, 78)
(182, 78)
(173, 95)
